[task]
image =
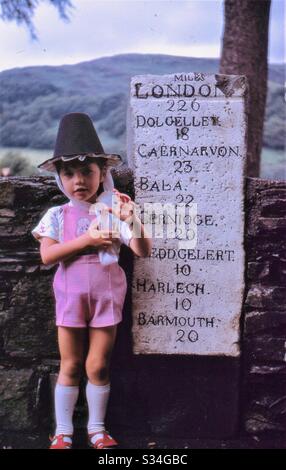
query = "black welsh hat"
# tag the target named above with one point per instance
(76, 138)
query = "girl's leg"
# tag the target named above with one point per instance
(97, 368)
(71, 346)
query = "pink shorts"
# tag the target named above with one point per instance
(89, 294)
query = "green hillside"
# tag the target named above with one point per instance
(33, 99)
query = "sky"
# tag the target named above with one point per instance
(192, 28)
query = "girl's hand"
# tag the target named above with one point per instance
(98, 238)
(126, 207)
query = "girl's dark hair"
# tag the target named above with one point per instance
(100, 161)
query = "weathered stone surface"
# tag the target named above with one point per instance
(15, 396)
(275, 226)
(269, 370)
(6, 213)
(187, 148)
(266, 348)
(259, 423)
(193, 395)
(271, 297)
(29, 324)
(264, 338)
(6, 194)
(271, 271)
(259, 271)
(274, 209)
(201, 393)
(258, 321)
(262, 196)
(267, 408)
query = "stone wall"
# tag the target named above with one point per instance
(165, 395)
(264, 323)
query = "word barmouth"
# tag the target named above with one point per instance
(145, 319)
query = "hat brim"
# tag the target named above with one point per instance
(113, 159)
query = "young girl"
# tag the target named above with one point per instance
(89, 285)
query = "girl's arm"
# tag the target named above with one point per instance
(140, 246)
(53, 251)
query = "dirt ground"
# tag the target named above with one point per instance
(41, 441)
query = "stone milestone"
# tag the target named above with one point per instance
(186, 136)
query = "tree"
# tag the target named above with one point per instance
(22, 11)
(17, 165)
(245, 48)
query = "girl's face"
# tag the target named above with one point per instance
(81, 180)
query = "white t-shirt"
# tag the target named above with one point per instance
(52, 225)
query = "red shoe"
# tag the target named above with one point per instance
(61, 441)
(102, 443)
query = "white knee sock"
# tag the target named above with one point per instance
(97, 398)
(65, 401)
